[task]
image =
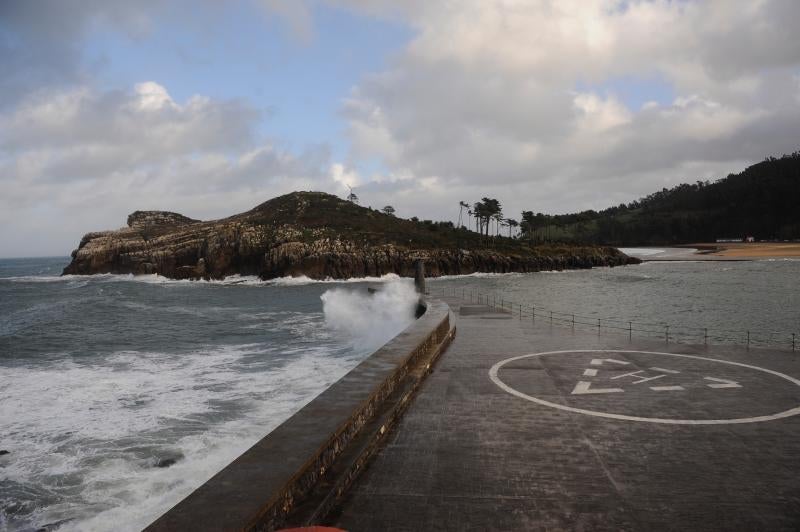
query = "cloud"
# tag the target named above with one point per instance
(82, 159)
(509, 98)
(40, 42)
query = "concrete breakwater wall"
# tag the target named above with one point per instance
(298, 472)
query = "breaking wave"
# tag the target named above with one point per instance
(367, 319)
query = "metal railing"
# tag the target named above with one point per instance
(667, 332)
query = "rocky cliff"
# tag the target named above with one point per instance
(317, 235)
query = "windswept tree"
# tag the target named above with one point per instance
(528, 224)
(478, 211)
(352, 198)
(388, 210)
(512, 224)
(498, 219)
(461, 206)
(485, 211)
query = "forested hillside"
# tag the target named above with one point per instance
(763, 201)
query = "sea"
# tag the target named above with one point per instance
(120, 394)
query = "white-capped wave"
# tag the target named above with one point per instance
(90, 433)
(476, 275)
(248, 280)
(643, 252)
(367, 319)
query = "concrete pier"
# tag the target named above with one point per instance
(525, 426)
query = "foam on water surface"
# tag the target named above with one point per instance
(104, 377)
(90, 434)
(370, 319)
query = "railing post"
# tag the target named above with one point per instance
(630, 330)
(598, 325)
(573, 322)
(666, 333)
(551, 317)
(533, 313)
(705, 335)
(748, 339)
(792, 342)
(419, 276)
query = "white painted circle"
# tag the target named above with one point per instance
(771, 417)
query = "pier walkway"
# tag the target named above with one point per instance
(525, 426)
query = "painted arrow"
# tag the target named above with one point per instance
(585, 388)
(599, 361)
(723, 383)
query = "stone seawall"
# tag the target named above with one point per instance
(295, 474)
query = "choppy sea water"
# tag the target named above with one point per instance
(726, 298)
(104, 378)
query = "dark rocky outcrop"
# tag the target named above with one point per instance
(166, 462)
(317, 235)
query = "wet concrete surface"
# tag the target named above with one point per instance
(600, 433)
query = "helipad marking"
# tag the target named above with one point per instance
(599, 361)
(636, 373)
(755, 419)
(584, 388)
(590, 372)
(664, 370)
(725, 383)
(667, 388)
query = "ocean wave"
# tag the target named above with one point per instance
(645, 252)
(105, 426)
(370, 320)
(476, 275)
(247, 280)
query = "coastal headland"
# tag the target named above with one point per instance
(317, 235)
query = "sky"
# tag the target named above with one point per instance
(209, 108)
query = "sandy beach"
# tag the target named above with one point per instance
(750, 250)
(718, 252)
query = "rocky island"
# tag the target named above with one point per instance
(317, 235)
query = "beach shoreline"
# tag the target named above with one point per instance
(718, 251)
(748, 250)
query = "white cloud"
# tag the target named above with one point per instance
(495, 97)
(83, 159)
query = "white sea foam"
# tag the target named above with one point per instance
(90, 433)
(476, 275)
(370, 320)
(642, 252)
(247, 280)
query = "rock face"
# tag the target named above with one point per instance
(317, 235)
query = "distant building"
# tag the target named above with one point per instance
(750, 239)
(729, 240)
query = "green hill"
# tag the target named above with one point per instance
(763, 201)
